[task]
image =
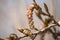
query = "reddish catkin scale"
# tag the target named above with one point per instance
(31, 7)
(30, 14)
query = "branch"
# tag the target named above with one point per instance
(23, 37)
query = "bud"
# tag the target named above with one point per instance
(47, 19)
(27, 32)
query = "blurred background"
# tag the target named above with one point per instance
(13, 15)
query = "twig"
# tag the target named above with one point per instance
(23, 37)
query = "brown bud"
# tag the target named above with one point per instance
(47, 20)
(47, 17)
(27, 32)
